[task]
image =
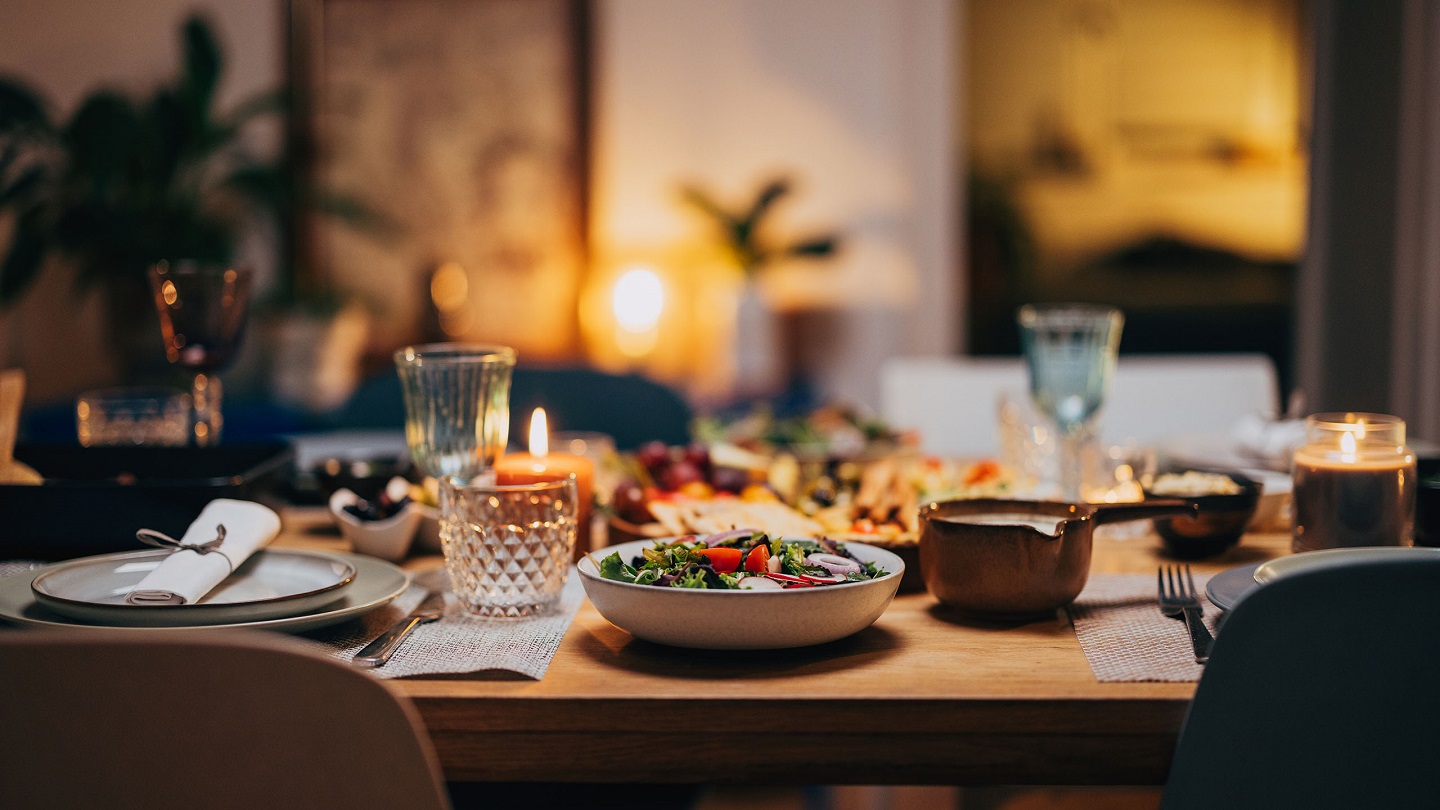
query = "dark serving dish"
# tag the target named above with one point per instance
(95, 498)
(1218, 526)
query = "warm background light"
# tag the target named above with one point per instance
(638, 299)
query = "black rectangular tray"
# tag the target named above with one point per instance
(95, 498)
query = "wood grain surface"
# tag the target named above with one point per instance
(923, 696)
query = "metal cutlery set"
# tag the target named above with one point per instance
(377, 652)
(1179, 599)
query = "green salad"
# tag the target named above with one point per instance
(742, 559)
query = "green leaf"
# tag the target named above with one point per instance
(707, 205)
(202, 64)
(612, 567)
(100, 138)
(693, 578)
(21, 107)
(29, 182)
(773, 191)
(813, 248)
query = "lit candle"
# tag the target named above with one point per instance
(1354, 483)
(540, 465)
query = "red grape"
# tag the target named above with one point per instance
(680, 473)
(630, 503)
(654, 455)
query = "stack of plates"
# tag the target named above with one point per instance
(276, 589)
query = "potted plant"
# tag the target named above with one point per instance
(764, 348)
(125, 182)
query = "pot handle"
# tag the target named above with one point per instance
(1121, 512)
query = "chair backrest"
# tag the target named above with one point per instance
(1320, 692)
(952, 401)
(163, 719)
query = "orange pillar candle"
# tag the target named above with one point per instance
(540, 465)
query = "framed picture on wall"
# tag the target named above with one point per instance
(461, 124)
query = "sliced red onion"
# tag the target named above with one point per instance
(834, 563)
(712, 540)
(773, 565)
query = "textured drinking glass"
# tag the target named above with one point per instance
(507, 548)
(133, 416)
(202, 319)
(1070, 350)
(457, 406)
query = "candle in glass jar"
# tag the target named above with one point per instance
(542, 466)
(1354, 483)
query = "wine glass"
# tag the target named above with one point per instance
(1070, 350)
(202, 318)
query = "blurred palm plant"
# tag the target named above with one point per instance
(742, 233)
(126, 182)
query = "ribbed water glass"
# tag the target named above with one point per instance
(457, 405)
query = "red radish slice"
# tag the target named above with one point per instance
(833, 579)
(760, 584)
(787, 578)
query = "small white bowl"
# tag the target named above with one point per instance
(388, 539)
(741, 620)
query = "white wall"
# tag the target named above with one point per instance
(851, 97)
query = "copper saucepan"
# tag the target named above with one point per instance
(1006, 567)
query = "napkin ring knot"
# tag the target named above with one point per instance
(150, 537)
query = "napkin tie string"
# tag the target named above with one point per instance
(150, 537)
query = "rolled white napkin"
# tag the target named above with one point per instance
(184, 577)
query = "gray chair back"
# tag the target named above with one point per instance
(1322, 691)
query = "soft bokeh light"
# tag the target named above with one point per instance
(638, 299)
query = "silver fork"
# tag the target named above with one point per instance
(1179, 599)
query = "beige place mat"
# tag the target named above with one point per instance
(458, 644)
(1126, 638)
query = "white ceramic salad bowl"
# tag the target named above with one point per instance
(736, 619)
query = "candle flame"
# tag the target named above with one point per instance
(539, 434)
(1347, 443)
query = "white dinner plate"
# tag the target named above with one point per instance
(1227, 588)
(1272, 570)
(272, 584)
(375, 585)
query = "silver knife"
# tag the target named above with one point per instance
(377, 652)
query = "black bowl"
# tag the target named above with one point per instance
(1219, 525)
(365, 477)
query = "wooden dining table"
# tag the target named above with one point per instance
(923, 696)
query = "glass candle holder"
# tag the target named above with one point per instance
(507, 548)
(1354, 483)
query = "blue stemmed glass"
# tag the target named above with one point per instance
(1070, 350)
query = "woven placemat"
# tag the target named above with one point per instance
(8, 567)
(1126, 638)
(459, 643)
